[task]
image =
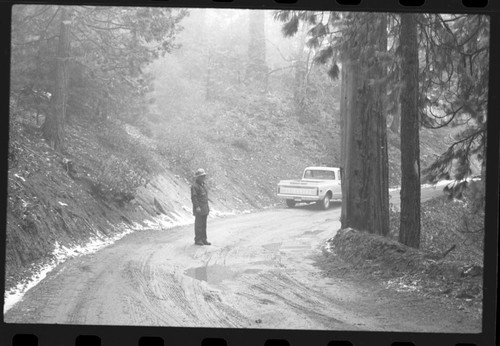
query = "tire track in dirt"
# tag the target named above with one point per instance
(265, 276)
(96, 300)
(259, 273)
(161, 291)
(311, 305)
(157, 290)
(211, 298)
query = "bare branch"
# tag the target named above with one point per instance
(44, 9)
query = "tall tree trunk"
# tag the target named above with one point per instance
(206, 42)
(257, 67)
(300, 67)
(345, 83)
(396, 117)
(409, 233)
(365, 193)
(53, 127)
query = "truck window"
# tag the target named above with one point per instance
(319, 174)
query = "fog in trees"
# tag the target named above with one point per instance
(163, 70)
(97, 67)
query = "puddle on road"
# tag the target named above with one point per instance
(216, 273)
(211, 274)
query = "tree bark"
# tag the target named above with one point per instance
(409, 232)
(396, 118)
(365, 193)
(53, 127)
(206, 42)
(300, 69)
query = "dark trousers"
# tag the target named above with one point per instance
(200, 228)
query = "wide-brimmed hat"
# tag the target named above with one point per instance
(200, 172)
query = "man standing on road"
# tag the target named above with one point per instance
(199, 197)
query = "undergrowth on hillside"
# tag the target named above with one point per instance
(127, 166)
(449, 227)
(449, 264)
(181, 148)
(241, 143)
(67, 196)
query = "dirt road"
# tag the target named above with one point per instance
(258, 273)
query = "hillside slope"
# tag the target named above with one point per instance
(115, 177)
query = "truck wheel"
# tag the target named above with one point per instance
(290, 203)
(325, 202)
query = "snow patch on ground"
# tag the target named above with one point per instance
(176, 219)
(403, 284)
(19, 177)
(439, 183)
(450, 182)
(165, 222)
(216, 214)
(328, 246)
(62, 253)
(59, 255)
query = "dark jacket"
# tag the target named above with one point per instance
(199, 197)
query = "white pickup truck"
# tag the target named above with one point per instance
(318, 184)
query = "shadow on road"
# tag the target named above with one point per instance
(315, 207)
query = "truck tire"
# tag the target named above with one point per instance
(290, 203)
(325, 202)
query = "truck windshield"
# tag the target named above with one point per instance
(319, 174)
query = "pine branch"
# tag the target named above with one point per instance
(333, 71)
(324, 55)
(280, 69)
(291, 27)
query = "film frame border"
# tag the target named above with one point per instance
(48, 334)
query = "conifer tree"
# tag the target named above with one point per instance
(53, 127)
(257, 68)
(409, 233)
(357, 41)
(454, 91)
(89, 58)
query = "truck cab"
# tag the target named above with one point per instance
(318, 185)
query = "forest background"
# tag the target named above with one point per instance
(112, 109)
